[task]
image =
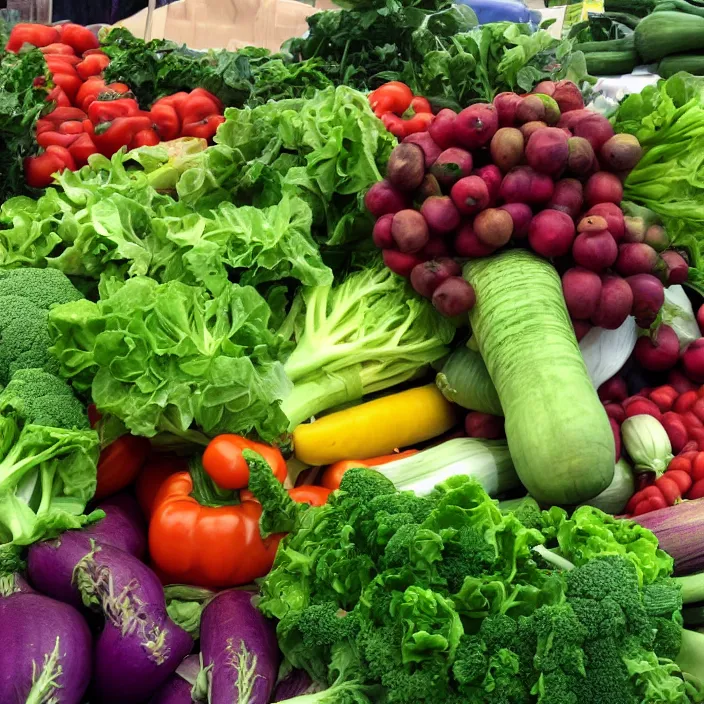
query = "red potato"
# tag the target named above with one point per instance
(426, 277)
(595, 128)
(507, 148)
(693, 361)
(547, 151)
(568, 96)
(435, 249)
(581, 328)
(530, 128)
(476, 125)
(677, 267)
(538, 107)
(441, 214)
(506, 105)
(406, 167)
(521, 215)
(620, 153)
(572, 117)
(431, 150)
(452, 165)
(491, 175)
(582, 291)
(400, 262)
(493, 227)
(568, 197)
(381, 234)
(580, 157)
(615, 303)
(467, 244)
(470, 195)
(484, 425)
(453, 297)
(603, 187)
(524, 185)
(615, 222)
(659, 352)
(409, 231)
(657, 238)
(596, 251)
(545, 87)
(614, 390)
(442, 128)
(648, 298)
(383, 198)
(551, 233)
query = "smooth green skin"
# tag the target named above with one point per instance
(557, 429)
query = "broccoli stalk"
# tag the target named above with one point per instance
(692, 587)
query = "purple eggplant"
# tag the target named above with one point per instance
(295, 683)
(50, 563)
(46, 651)
(240, 644)
(177, 689)
(123, 526)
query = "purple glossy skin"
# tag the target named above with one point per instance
(241, 645)
(177, 690)
(50, 563)
(297, 682)
(29, 627)
(123, 526)
(140, 646)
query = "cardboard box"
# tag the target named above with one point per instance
(228, 24)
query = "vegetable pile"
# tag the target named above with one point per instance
(286, 339)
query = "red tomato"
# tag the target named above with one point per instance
(120, 463)
(92, 65)
(35, 34)
(80, 38)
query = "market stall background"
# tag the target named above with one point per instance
(286, 338)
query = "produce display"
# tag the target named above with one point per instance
(367, 372)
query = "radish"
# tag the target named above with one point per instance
(470, 195)
(467, 244)
(400, 262)
(409, 231)
(383, 198)
(441, 214)
(613, 389)
(700, 318)
(648, 298)
(595, 250)
(406, 167)
(580, 157)
(442, 128)
(693, 361)
(567, 197)
(615, 303)
(581, 328)
(603, 187)
(476, 125)
(507, 148)
(582, 291)
(453, 297)
(491, 175)
(381, 234)
(452, 165)
(547, 151)
(638, 258)
(659, 352)
(521, 215)
(426, 277)
(494, 227)
(551, 233)
(615, 222)
(484, 425)
(506, 105)
(431, 150)
(677, 267)
(556, 427)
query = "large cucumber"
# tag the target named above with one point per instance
(557, 430)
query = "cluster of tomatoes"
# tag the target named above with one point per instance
(92, 117)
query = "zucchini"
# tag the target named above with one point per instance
(664, 33)
(624, 18)
(556, 427)
(611, 63)
(691, 63)
(623, 44)
(679, 6)
(640, 8)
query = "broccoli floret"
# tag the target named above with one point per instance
(467, 554)
(26, 295)
(403, 502)
(471, 661)
(326, 624)
(43, 399)
(362, 485)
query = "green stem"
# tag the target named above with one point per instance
(691, 656)
(205, 491)
(692, 587)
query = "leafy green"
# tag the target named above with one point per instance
(366, 334)
(170, 359)
(668, 120)
(48, 457)
(21, 104)
(448, 599)
(250, 76)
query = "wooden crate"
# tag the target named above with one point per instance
(228, 24)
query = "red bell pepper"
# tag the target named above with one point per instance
(39, 170)
(175, 101)
(92, 65)
(47, 139)
(199, 106)
(57, 96)
(82, 148)
(145, 138)
(80, 38)
(72, 127)
(119, 88)
(35, 34)
(166, 121)
(58, 48)
(61, 115)
(107, 110)
(70, 83)
(89, 92)
(61, 61)
(111, 136)
(204, 129)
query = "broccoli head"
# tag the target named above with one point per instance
(360, 485)
(26, 295)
